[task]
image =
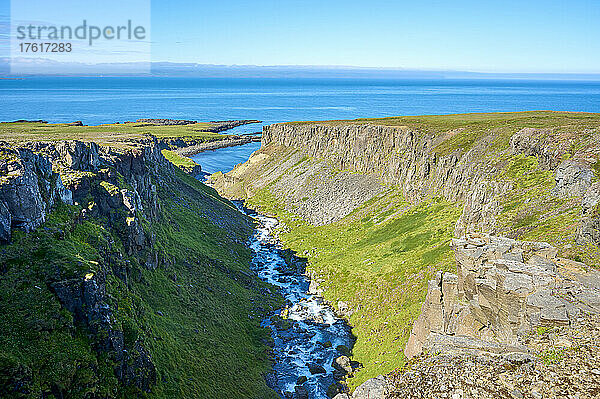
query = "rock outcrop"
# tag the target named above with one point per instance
(165, 122)
(87, 299)
(573, 178)
(28, 189)
(516, 321)
(503, 290)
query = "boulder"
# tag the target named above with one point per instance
(301, 380)
(342, 363)
(315, 368)
(375, 388)
(343, 349)
(344, 309)
(573, 178)
(335, 389)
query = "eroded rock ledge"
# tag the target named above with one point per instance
(515, 321)
(503, 290)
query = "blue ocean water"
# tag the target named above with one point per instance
(109, 99)
(105, 100)
(224, 159)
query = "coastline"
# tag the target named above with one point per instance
(215, 144)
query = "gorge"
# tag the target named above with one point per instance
(374, 206)
(462, 250)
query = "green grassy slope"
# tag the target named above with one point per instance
(197, 314)
(178, 160)
(378, 260)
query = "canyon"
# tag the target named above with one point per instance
(487, 220)
(462, 250)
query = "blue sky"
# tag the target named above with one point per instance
(487, 36)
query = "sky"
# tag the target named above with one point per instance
(529, 36)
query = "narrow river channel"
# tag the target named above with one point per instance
(307, 333)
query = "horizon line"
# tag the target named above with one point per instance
(166, 68)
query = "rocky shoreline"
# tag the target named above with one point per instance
(234, 141)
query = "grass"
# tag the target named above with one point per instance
(378, 260)
(198, 314)
(178, 160)
(441, 123)
(530, 211)
(116, 135)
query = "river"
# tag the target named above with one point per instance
(307, 333)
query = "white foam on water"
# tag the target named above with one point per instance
(314, 321)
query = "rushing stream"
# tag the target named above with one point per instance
(306, 337)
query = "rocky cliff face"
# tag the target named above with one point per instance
(28, 189)
(395, 155)
(503, 290)
(105, 250)
(32, 185)
(422, 165)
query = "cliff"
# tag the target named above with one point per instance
(374, 206)
(122, 276)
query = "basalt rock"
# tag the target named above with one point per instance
(396, 155)
(503, 290)
(375, 388)
(28, 189)
(589, 228)
(87, 299)
(573, 178)
(5, 222)
(540, 144)
(139, 370)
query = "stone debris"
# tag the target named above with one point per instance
(516, 321)
(552, 370)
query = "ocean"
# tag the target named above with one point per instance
(118, 99)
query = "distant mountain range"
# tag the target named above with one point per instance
(32, 67)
